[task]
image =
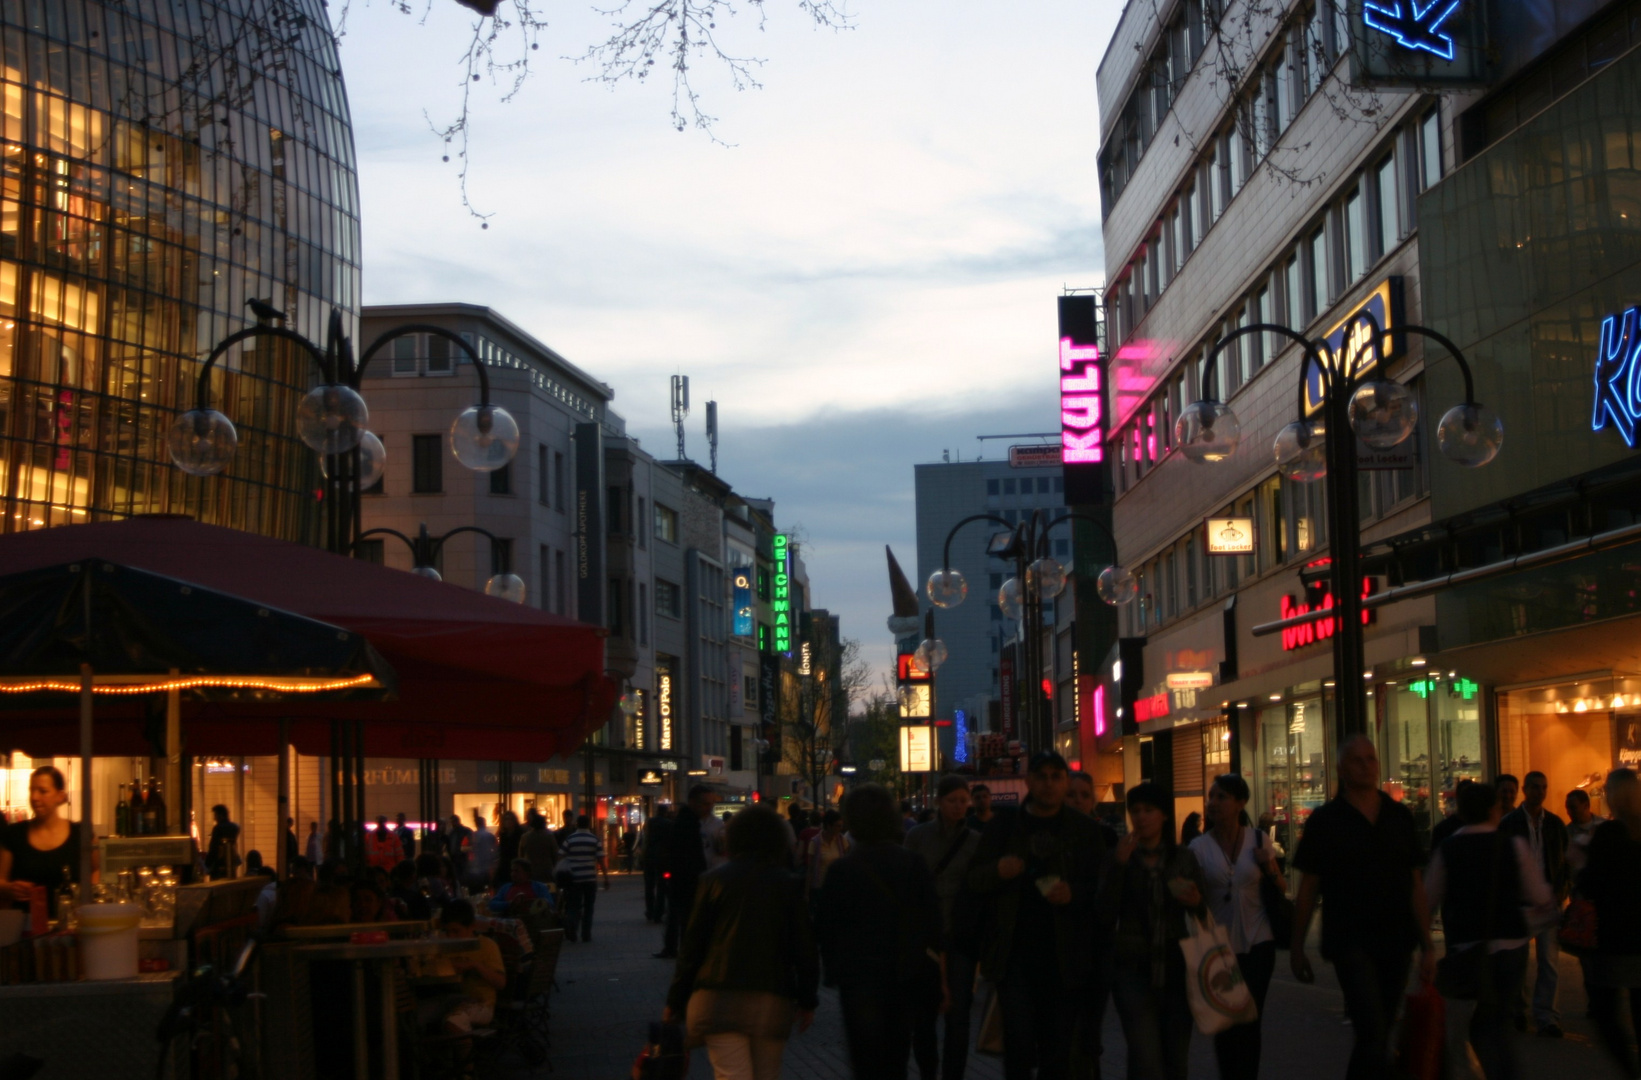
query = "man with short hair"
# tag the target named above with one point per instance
(406, 835)
(538, 847)
(1546, 836)
(981, 811)
(581, 858)
(653, 843)
(946, 844)
(456, 846)
(686, 862)
(1041, 866)
(483, 849)
(1360, 853)
(1509, 789)
(382, 848)
(1080, 797)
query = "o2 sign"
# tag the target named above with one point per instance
(1617, 367)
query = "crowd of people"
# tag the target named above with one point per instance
(1059, 916)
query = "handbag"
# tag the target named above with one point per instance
(1278, 907)
(1218, 994)
(1578, 928)
(990, 1040)
(664, 1056)
(1421, 1055)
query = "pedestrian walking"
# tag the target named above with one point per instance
(1546, 836)
(581, 858)
(686, 862)
(1361, 856)
(315, 846)
(1450, 824)
(1236, 860)
(829, 845)
(406, 835)
(653, 844)
(1154, 883)
(538, 848)
(456, 845)
(382, 848)
(1483, 880)
(508, 835)
(878, 926)
(1192, 828)
(748, 968)
(1612, 881)
(292, 851)
(946, 845)
(482, 852)
(1041, 868)
(981, 810)
(222, 857)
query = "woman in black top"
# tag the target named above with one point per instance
(37, 852)
(1612, 881)
(508, 835)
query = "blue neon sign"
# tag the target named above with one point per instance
(1411, 25)
(1617, 365)
(960, 733)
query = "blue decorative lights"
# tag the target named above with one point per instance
(1617, 395)
(1412, 25)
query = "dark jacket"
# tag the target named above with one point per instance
(1612, 881)
(1554, 832)
(878, 917)
(686, 858)
(749, 932)
(1077, 855)
(1137, 902)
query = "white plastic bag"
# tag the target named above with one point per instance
(1213, 982)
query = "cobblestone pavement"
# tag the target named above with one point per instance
(610, 989)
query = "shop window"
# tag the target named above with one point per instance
(1216, 749)
(1404, 751)
(1573, 733)
(1294, 780)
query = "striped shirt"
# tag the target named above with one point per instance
(579, 854)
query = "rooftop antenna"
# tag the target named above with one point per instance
(712, 435)
(680, 409)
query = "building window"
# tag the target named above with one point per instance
(1008, 487)
(544, 493)
(501, 555)
(562, 583)
(501, 480)
(735, 752)
(616, 624)
(668, 598)
(993, 487)
(643, 537)
(1356, 234)
(427, 464)
(666, 527)
(370, 551)
(614, 503)
(1430, 149)
(1320, 293)
(643, 614)
(558, 479)
(422, 354)
(1390, 218)
(1216, 748)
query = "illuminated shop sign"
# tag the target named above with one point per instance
(663, 701)
(1189, 680)
(1413, 25)
(906, 671)
(960, 736)
(742, 585)
(1348, 341)
(1465, 688)
(1617, 397)
(1318, 597)
(781, 599)
(1231, 536)
(1082, 400)
(1151, 708)
(916, 749)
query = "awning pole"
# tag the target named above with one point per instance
(282, 865)
(86, 831)
(173, 756)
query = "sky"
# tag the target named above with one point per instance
(863, 278)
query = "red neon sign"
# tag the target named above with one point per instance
(1082, 428)
(907, 672)
(1150, 708)
(1297, 637)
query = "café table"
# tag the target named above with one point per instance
(383, 954)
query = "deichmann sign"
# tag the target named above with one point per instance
(1230, 536)
(1082, 401)
(781, 598)
(1034, 457)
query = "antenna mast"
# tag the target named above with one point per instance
(712, 434)
(680, 409)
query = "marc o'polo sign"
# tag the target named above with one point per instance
(1231, 536)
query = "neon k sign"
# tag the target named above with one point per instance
(1617, 395)
(1413, 25)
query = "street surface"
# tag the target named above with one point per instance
(610, 989)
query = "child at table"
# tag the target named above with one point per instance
(482, 974)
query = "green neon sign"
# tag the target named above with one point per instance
(1466, 688)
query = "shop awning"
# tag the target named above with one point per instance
(478, 677)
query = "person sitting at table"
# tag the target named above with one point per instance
(369, 904)
(330, 907)
(521, 889)
(435, 878)
(293, 899)
(482, 974)
(406, 897)
(37, 851)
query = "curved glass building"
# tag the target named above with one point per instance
(164, 162)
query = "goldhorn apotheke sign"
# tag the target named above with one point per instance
(1231, 536)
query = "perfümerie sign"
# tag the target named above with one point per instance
(1231, 536)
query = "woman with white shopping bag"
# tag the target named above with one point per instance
(1150, 896)
(1235, 859)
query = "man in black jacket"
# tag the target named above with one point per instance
(686, 862)
(1041, 867)
(655, 844)
(1546, 836)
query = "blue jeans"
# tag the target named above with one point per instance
(1373, 981)
(578, 910)
(1547, 948)
(1156, 1021)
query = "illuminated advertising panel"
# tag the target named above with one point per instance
(916, 748)
(960, 736)
(1082, 400)
(1617, 397)
(664, 675)
(1419, 43)
(741, 594)
(1348, 341)
(780, 601)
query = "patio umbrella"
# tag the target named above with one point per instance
(94, 628)
(478, 677)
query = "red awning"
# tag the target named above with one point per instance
(479, 678)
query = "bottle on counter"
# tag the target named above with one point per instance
(153, 810)
(134, 813)
(67, 898)
(122, 815)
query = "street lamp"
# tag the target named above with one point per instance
(1381, 413)
(1038, 577)
(333, 420)
(424, 553)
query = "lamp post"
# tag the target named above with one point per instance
(1038, 577)
(424, 553)
(333, 420)
(1357, 398)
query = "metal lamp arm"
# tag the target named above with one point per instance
(362, 537)
(946, 555)
(1097, 523)
(1212, 364)
(1453, 351)
(202, 388)
(437, 542)
(436, 331)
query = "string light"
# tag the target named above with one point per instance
(233, 682)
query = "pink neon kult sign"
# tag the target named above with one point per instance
(1082, 427)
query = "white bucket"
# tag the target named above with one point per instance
(108, 940)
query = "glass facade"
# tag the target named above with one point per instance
(163, 162)
(1429, 738)
(1573, 732)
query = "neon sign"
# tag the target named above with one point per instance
(1099, 710)
(742, 585)
(1617, 397)
(663, 702)
(1082, 434)
(960, 733)
(1151, 708)
(781, 601)
(1466, 688)
(1413, 26)
(1297, 637)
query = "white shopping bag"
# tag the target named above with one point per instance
(1213, 982)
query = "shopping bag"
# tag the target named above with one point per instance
(1423, 1048)
(990, 1040)
(1219, 996)
(1578, 928)
(664, 1056)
